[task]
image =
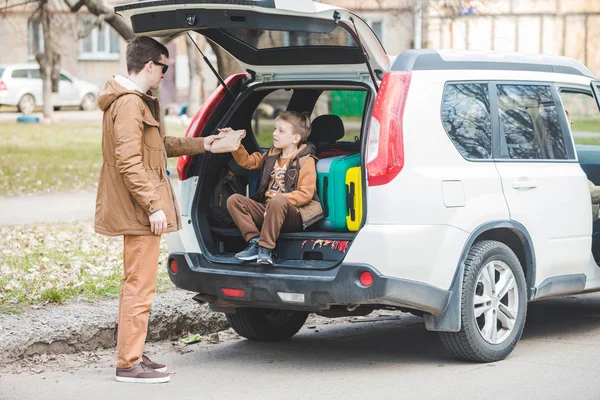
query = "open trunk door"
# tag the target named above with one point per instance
(269, 36)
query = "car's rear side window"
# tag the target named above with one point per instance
(466, 118)
(530, 123)
(1, 72)
(20, 73)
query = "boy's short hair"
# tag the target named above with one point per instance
(141, 50)
(300, 122)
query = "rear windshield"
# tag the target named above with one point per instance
(270, 39)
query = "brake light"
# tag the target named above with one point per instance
(3, 86)
(385, 152)
(173, 266)
(366, 278)
(201, 118)
(233, 292)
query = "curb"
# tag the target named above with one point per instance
(87, 326)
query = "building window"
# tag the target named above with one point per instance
(99, 44)
(377, 27)
(466, 119)
(35, 31)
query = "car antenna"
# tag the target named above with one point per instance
(337, 17)
(207, 61)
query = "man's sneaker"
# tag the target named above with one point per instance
(155, 366)
(250, 253)
(264, 256)
(141, 373)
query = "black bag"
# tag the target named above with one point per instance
(227, 185)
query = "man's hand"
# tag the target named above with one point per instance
(158, 222)
(208, 141)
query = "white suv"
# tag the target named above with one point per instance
(474, 202)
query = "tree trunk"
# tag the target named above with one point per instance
(226, 64)
(196, 88)
(45, 61)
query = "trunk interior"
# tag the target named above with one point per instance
(337, 115)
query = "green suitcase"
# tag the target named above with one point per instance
(331, 185)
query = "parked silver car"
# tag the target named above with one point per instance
(21, 86)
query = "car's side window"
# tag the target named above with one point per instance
(582, 110)
(35, 74)
(530, 123)
(263, 121)
(19, 73)
(63, 77)
(466, 118)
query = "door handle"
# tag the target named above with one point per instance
(524, 184)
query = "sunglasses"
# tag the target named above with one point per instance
(165, 67)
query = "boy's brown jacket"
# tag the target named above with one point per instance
(133, 180)
(300, 178)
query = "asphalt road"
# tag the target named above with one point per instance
(557, 358)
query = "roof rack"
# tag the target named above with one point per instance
(427, 59)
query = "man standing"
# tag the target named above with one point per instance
(135, 199)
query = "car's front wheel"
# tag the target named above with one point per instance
(266, 325)
(493, 304)
(26, 104)
(89, 102)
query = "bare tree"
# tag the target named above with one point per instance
(104, 14)
(197, 89)
(226, 64)
(48, 60)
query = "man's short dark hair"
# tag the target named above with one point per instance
(141, 50)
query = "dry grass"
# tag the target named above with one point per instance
(56, 262)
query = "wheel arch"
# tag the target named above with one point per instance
(511, 233)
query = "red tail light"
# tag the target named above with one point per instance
(233, 292)
(385, 153)
(173, 266)
(201, 119)
(366, 278)
(3, 86)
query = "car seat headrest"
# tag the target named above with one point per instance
(326, 129)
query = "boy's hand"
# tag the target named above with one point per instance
(225, 130)
(208, 141)
(158, 222)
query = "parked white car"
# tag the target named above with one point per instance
(474, 202)
(21, 86)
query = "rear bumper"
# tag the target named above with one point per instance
(5, 99)
(321, 288)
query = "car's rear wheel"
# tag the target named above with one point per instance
(493, 304)
(266, 325)
(89, 102)
(26, 104)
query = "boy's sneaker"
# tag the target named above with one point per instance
(141, 373)
(264, 256)
(250, 253)
(155, 366)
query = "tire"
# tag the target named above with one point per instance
(266, 325)
(26, 104)
(88, 103)
(493, 335)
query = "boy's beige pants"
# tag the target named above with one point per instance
(249, 215)
(140, 259)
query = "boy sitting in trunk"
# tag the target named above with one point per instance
(286, 200)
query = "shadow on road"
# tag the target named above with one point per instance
(359, 345)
